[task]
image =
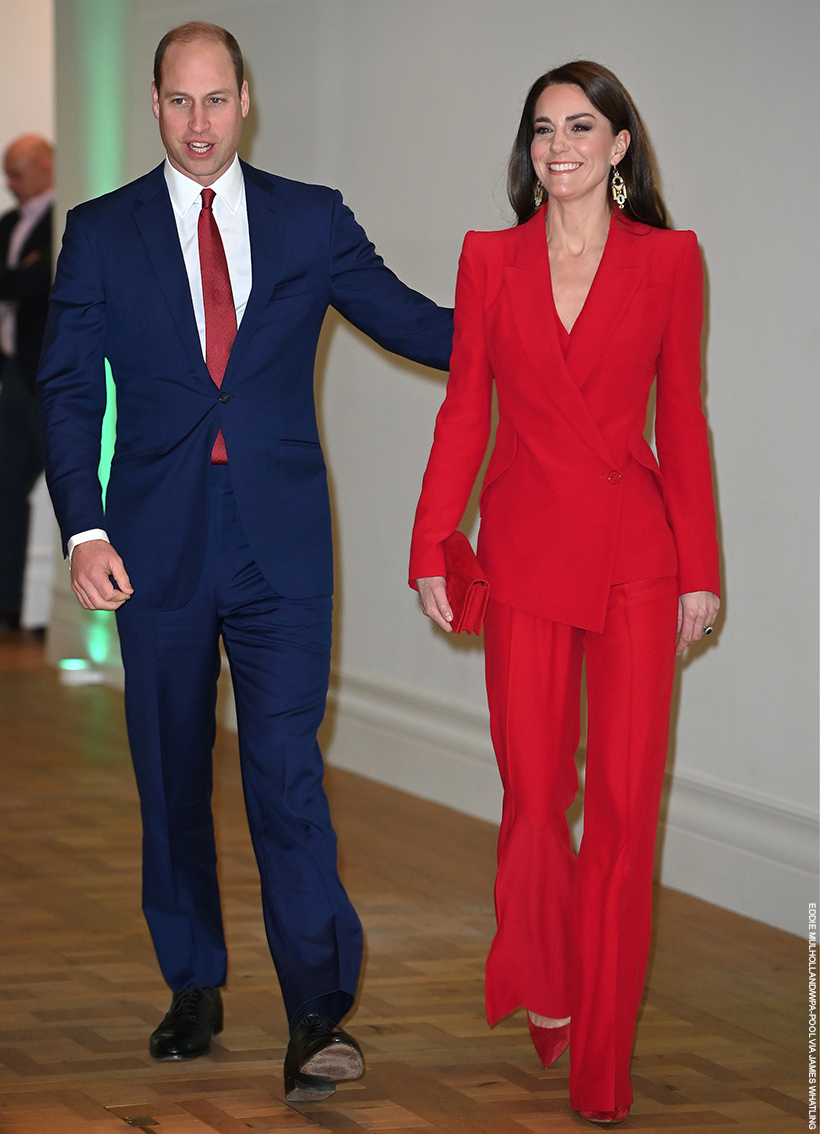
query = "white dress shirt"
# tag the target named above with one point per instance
(31, 213)
(231, 214)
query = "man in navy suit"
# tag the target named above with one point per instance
(217, 523)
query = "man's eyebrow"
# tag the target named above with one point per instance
(185, 94)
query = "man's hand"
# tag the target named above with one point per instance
(93, 565)
(696, 610)
(433, 598)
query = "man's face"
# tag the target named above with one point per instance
(28, 173)
(199, 109)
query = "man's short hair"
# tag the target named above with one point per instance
(189, 33)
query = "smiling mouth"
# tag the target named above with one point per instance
(563, 166)
(200, 147)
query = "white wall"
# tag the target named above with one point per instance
(27, 63)
(410, 106)
(27, 66)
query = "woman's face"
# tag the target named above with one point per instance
(574, 145)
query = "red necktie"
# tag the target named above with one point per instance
(220, 314)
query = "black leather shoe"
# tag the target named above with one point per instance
(320, 1055)
(194, 1016)
(9, 621)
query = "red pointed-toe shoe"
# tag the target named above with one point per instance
(606, 1116)
(549, 1042)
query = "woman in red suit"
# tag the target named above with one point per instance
(596, 552)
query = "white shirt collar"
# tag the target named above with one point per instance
(35, 206)
(185, 191)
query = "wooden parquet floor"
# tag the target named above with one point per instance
(720, 1039)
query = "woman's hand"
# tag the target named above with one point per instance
(696, 610)
(433, 599)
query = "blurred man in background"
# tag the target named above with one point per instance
(25, 279)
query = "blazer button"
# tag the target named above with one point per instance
(227, 397)
(614, 477)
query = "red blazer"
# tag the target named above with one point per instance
(574, 500)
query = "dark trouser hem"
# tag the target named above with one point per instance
(335, 1006)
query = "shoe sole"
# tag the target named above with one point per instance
(309, 1090)
(336, 1063)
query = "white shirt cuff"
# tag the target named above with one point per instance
(84, 537)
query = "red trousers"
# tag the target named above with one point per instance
(573, 930)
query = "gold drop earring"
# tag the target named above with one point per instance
(618, 187)
(538, 199)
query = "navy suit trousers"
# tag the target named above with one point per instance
(279, 653)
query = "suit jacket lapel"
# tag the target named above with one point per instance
(40, 235)
(266, 227)
(609, 297)
(7, 223)
(154, 216)
(530, 290)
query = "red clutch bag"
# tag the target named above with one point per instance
(468, 590)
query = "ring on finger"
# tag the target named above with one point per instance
(708, 629)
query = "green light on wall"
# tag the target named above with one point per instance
(77, 671)
(101, 637)
(102, 27)
(108, 438)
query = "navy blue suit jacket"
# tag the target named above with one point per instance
(121, 292)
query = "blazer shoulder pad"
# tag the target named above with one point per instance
(486, 242)
(679, 236)
(679, 244)
(110, 204)
(288, 191)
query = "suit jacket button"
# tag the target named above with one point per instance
(614, 477)
(227, 397)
